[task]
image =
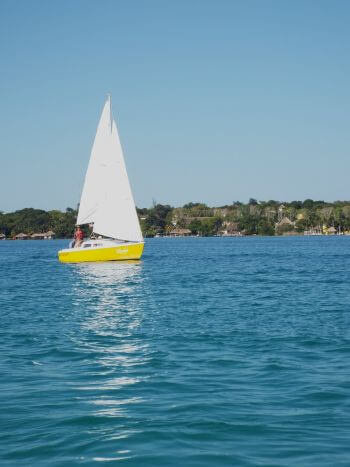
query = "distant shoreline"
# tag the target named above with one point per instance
(262, 218)
(12, 240)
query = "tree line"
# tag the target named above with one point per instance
(252, 218)
(31, 221)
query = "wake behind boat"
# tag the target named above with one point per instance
(107, 202)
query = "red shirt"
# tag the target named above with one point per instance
(79, 235)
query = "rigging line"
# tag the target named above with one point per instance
(89, 214)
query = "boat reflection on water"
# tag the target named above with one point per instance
(110, 293)
(110, 274)
(109, 299)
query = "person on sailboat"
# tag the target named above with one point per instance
(78, 237)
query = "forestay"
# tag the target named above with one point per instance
(107, 200)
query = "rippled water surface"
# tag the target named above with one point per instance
(208, 352)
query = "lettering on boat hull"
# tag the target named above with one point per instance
(127, 252)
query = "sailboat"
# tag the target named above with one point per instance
(106, 202)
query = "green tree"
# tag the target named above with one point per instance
(308, 204)
(265, 227)
(195, 226)
(157, 218)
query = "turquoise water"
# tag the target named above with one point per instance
(208, 352)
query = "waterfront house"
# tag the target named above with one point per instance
(21, 236)
(331, 230)
(49, 235)
(230, 230)
(180, 233)
(37, 236)
(284, 225)
(314, 231)
(2, 236)
(43, 236)
(285, 221)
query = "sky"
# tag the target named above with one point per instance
(215, 100)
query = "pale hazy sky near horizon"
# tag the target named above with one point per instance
(215, 101)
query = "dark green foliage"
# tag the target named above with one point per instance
(207, 227)
(63, 224)
(249, 224)
(195, 226)
(31, 221)
(265, 227)
(142, 211)
(308, 204)
(296, 204)
(272, 202)
(156, 219)
(253, 201)
(192, 205)
(26, 220)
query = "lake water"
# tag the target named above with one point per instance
(208, 352)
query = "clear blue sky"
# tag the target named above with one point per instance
(215, 101)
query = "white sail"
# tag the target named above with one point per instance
(107, 200)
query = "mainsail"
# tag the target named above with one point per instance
(107, 200)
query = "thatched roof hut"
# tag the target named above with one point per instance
(21, 236)
(285, 221)
(49, 234)
(43, 236)
(230, 230)
(180, 233)
(38, 236)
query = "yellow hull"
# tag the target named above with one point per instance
(115, 253)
